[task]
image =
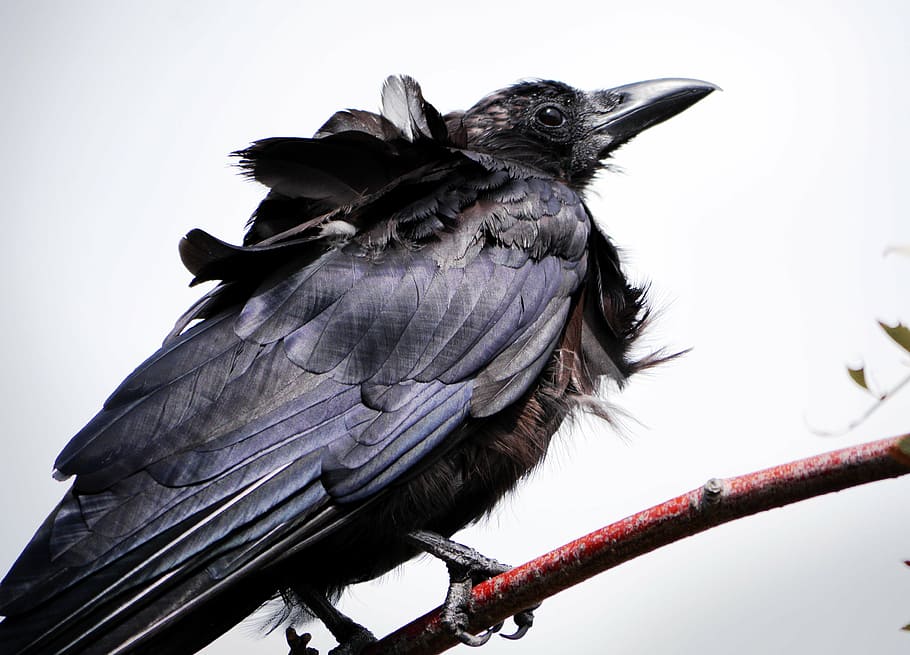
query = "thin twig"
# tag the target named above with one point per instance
(718, 501)
(880, 400)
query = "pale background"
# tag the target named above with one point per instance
(760, 216)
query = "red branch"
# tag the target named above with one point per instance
(718, 501)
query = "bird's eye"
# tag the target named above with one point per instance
(550, 116)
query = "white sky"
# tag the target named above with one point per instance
(760, 216)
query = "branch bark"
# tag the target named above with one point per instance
(718, 501)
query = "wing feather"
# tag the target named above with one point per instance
(256, 430)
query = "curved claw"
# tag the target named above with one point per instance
(477, 640)
(473, 640)
(519, 633)
(524, 620)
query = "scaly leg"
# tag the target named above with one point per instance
(467, 567)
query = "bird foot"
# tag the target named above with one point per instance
(456, 611)
(467, 567)
(359, 639)
(356, 642)
(299, 644)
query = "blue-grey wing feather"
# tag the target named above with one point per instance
(336, 377)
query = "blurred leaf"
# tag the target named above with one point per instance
(901, 453)
(904, 446)
(858, 375)
(900, 334)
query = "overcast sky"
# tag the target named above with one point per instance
(760, 216)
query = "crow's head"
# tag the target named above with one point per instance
(567, 132)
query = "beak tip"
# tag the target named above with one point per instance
(673, 85)
(709, 87)
(645, 104)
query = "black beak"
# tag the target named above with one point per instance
(627, 110)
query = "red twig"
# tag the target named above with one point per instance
(718, 501)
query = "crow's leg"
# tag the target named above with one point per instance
(467, 567)
(351, 636)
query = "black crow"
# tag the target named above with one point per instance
(418, 304)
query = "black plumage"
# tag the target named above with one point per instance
(418, 303)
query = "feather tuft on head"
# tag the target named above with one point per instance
(403, 105)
